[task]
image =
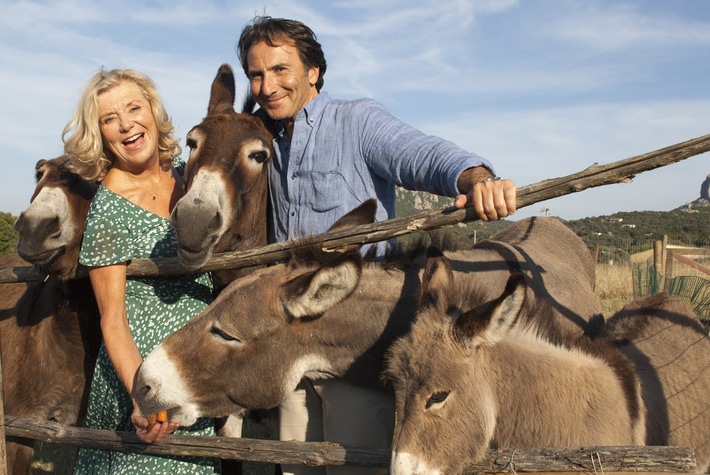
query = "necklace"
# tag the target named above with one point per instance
(130, 178)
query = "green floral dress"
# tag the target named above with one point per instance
(116, 231)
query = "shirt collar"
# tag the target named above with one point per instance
(309, 113)
(315, 108)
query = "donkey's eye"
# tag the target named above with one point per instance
(259, 156)
(219, 333)
(437, 398)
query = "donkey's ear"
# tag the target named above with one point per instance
(363, 214)
(437, 280)
(314, 292)
(223, 92)
(476, 328)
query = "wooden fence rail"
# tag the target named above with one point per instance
(553, 459)
(679, 255)
(622, 171)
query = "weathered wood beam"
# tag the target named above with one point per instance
(558, 459)
(672, 254)
(622, 171)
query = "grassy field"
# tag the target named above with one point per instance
(614, 287)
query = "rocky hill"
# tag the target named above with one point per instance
(702, 202)
(687, 223)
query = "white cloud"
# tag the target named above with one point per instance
(535, 145)
(609, 26)
(542, 88)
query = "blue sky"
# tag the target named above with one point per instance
(542, 88)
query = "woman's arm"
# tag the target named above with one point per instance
(109, 283)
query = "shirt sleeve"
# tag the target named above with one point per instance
(408, 157)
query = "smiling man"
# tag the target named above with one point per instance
(330, 156)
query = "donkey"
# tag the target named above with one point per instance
(331, 315)
(490, 380)
(224, 208)
(671, 351)
(226, 181)
(51, 227)
(49, 331)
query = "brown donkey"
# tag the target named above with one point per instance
(329, 315)
(49, 331)
(480, 377)
(224, 208)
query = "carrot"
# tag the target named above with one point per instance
(153, 419)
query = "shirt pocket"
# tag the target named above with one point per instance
(324, 191)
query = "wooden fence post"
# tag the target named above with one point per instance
(668, 260)
(658, 262)
(664, 257)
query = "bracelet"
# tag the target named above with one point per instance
(492, 178)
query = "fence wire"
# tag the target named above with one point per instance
(694, 289)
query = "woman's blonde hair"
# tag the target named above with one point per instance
(82, 135)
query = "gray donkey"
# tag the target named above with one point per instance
(467, 379)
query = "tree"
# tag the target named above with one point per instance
(8, 237)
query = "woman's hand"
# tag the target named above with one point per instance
(149, 434)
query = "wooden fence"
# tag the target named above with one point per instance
(622, 171)
(680, 256)
(590, 459)
(551, 459)
(679, 271)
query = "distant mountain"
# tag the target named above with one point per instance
(702, 202)
(690, 222)
(678, 224)
(412, 202)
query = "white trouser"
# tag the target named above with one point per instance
(335, 411)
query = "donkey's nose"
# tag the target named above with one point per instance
(144, 391)
(146, 388)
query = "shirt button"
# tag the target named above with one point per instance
(293, 213)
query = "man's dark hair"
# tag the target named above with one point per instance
(277, 31)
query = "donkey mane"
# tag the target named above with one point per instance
(528, 321)
(63, 174)
(622, 366)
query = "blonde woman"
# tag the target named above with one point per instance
(121, 136)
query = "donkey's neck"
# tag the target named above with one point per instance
(247, 231)
(580, 395)
(352, 337)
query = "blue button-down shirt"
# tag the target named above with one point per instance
(342, 153)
